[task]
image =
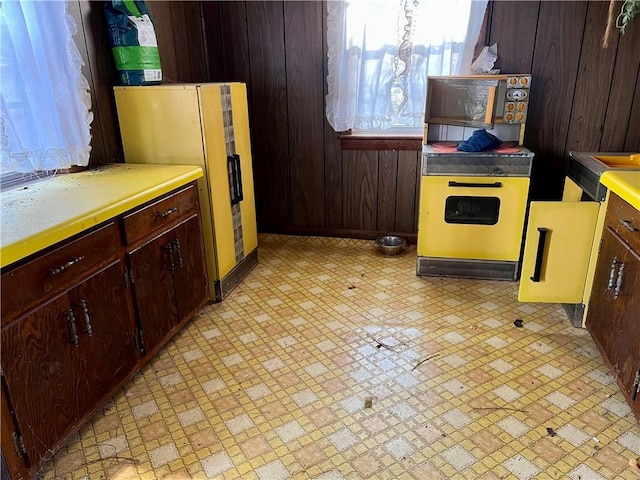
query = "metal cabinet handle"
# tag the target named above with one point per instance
(627, 224)
(636, 386)
(612, 273)
(167, 213)
(62, 268)
(542, 240)
(72, 325)
(87, 321)
(178, 250)
(616, 292)
(476, 185)
(172, 263)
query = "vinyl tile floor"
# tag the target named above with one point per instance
(331, 361)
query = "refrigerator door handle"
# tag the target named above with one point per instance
(233, 183)
(238, 178)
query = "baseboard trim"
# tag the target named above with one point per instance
(225, 285)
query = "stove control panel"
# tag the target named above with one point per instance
(516, 99)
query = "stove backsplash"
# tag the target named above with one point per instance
(453, 133)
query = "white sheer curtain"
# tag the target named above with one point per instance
(381, 51)
(45, 102)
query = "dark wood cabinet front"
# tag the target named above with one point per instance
(78, 315)
(602, 320)
(151, 265)
(43, 369)
(106, 328)
(190, 279)
(614, 308)
(169, 280)
(66, 356)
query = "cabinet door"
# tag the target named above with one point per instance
(190, 280)
(152, 265)
(41, 360)
(556, 252)
(614, 309)
(106, 330)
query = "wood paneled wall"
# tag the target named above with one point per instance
(584, 98)
(179, 30)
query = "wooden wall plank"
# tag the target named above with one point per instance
(333, 161)
(235, 41)
(213, 41)
(555, 68)
(594, 75)
(332, 150)
(303, 47)
(513, 27)
(360, 177)
(387, 185)
(180, 41)
(622, 89)
(104, 76)
(632, 142)
(163, 24)
(405, 214)
(195, 35)
(268, 87)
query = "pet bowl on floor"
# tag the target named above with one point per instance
(391, 245)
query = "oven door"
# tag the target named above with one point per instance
(472, 217)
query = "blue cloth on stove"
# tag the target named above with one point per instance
(479, 141)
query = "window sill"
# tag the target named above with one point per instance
(380, 142)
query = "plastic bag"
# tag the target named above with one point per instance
(484, 63)
(133, 42)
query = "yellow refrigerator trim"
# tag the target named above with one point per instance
(217, 172)
(243, 148)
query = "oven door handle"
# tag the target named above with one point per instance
(476, 185)
(542, 241)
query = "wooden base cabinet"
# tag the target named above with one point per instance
(62, 358)
(169, 280)
(614, 309)
(100, 310)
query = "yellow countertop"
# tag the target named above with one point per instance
(626, 184)
(42, 213)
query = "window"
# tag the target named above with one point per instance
(381, 51)
(45, 117)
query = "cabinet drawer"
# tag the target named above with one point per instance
(624, 220)
(160, 214)
(31, 283)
